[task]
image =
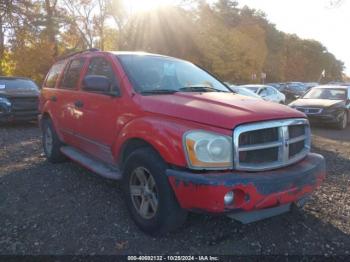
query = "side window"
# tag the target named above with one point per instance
(263, 91)
(349, 93)
(101, 67)
(270, 91)
(72, 73)
(53, 75)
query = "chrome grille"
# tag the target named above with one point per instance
(24, 103)
(309, 111)
(270, 144)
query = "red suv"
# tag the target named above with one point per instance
(177, 138)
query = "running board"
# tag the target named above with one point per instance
(91, 163)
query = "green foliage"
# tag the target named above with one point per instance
(229, 41)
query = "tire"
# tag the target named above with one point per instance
(343, 121)
(51, 143)
(163, 213)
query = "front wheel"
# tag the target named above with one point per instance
(148, 194)
(343, 121)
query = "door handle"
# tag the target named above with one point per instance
(53, 98)
(78, 103)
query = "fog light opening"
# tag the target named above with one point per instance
(229, 198)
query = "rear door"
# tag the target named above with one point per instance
(49, 92)
(69, 114)
(100, 111)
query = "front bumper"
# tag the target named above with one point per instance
(325, 118)
(8, 115)
(205, 192)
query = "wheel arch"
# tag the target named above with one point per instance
(130, 146)
(164, 137)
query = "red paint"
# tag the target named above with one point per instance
(209, 198)
(106, 123)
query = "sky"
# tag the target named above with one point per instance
(311, 19)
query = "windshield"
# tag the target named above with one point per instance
(252, 88)
(326, 93)
(245, 91)
(296, 87)
(160, 74)
(17, 83)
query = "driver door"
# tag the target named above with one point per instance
(97, 129)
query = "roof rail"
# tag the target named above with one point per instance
(78, 52)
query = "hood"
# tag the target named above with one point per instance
(19, 91)
(14, 87)
(321, 103)
(224, 110)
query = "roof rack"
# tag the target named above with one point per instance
(78, 52)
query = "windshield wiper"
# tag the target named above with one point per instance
(158, 91)
(199, 88)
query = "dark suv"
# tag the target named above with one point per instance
(18, 99)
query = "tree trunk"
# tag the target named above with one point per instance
(50, 25)
(2, 45)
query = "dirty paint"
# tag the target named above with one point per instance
(256, 190)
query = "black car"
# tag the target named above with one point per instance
(326, 104)
(18, 99)
(294, 90)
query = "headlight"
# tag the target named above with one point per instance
(205, 150)
(5, 101)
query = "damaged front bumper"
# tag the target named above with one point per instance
(253, 191)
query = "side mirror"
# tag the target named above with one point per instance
(95, 83)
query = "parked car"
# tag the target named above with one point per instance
(326, 104)
(339, 83)
(268, 93)
(244, 91)
(177, 138)
(294, 90)
(18, 99)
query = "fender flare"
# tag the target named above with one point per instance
(164, 136)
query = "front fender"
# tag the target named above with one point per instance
(164, 135)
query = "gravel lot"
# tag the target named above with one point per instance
(64, 209)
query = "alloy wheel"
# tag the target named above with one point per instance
(144, 193)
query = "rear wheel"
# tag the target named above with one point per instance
(343, 121)
(148, 194)
(51, 143)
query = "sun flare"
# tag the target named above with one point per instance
(137, 6)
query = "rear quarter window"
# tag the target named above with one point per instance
(53, 75)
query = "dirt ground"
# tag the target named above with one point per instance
(65, 209)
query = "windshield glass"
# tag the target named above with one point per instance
(326, 93)
(152, 73)
(252, 88)
(296, 87)
(17, 83)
